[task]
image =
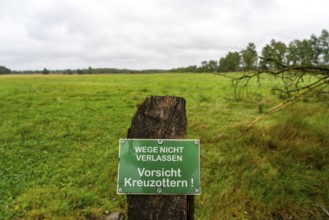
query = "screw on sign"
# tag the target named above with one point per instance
(159, 190)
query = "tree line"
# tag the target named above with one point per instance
(4, 70)
(274, 56)
(89, 70)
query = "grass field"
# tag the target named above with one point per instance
(59, 146)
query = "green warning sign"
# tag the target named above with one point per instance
(152, 166)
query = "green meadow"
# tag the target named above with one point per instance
(59, 146)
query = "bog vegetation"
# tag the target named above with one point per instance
(59, 145)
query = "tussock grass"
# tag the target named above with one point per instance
(59, 146)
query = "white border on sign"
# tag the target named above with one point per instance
(155, 139)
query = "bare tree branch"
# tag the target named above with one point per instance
(282, 105)
(294, 84)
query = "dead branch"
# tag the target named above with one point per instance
(285, 103)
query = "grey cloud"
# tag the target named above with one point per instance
(144, 33)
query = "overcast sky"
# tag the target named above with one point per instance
(143, 34)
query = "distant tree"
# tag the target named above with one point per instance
(315, 47)
(223, 64)
(324, 48)
(68, 71)
(190, 69)
(306, 53)
(204, 66)
(276, 50)
(90, 70)
(249, 57)
(212, 66)
(279, 52)
(301, 53)
(45, 71)
(230, 63)
(79, 71)
(267, 51)
(4, 70)
(293, 56)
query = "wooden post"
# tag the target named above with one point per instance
(160, 117)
